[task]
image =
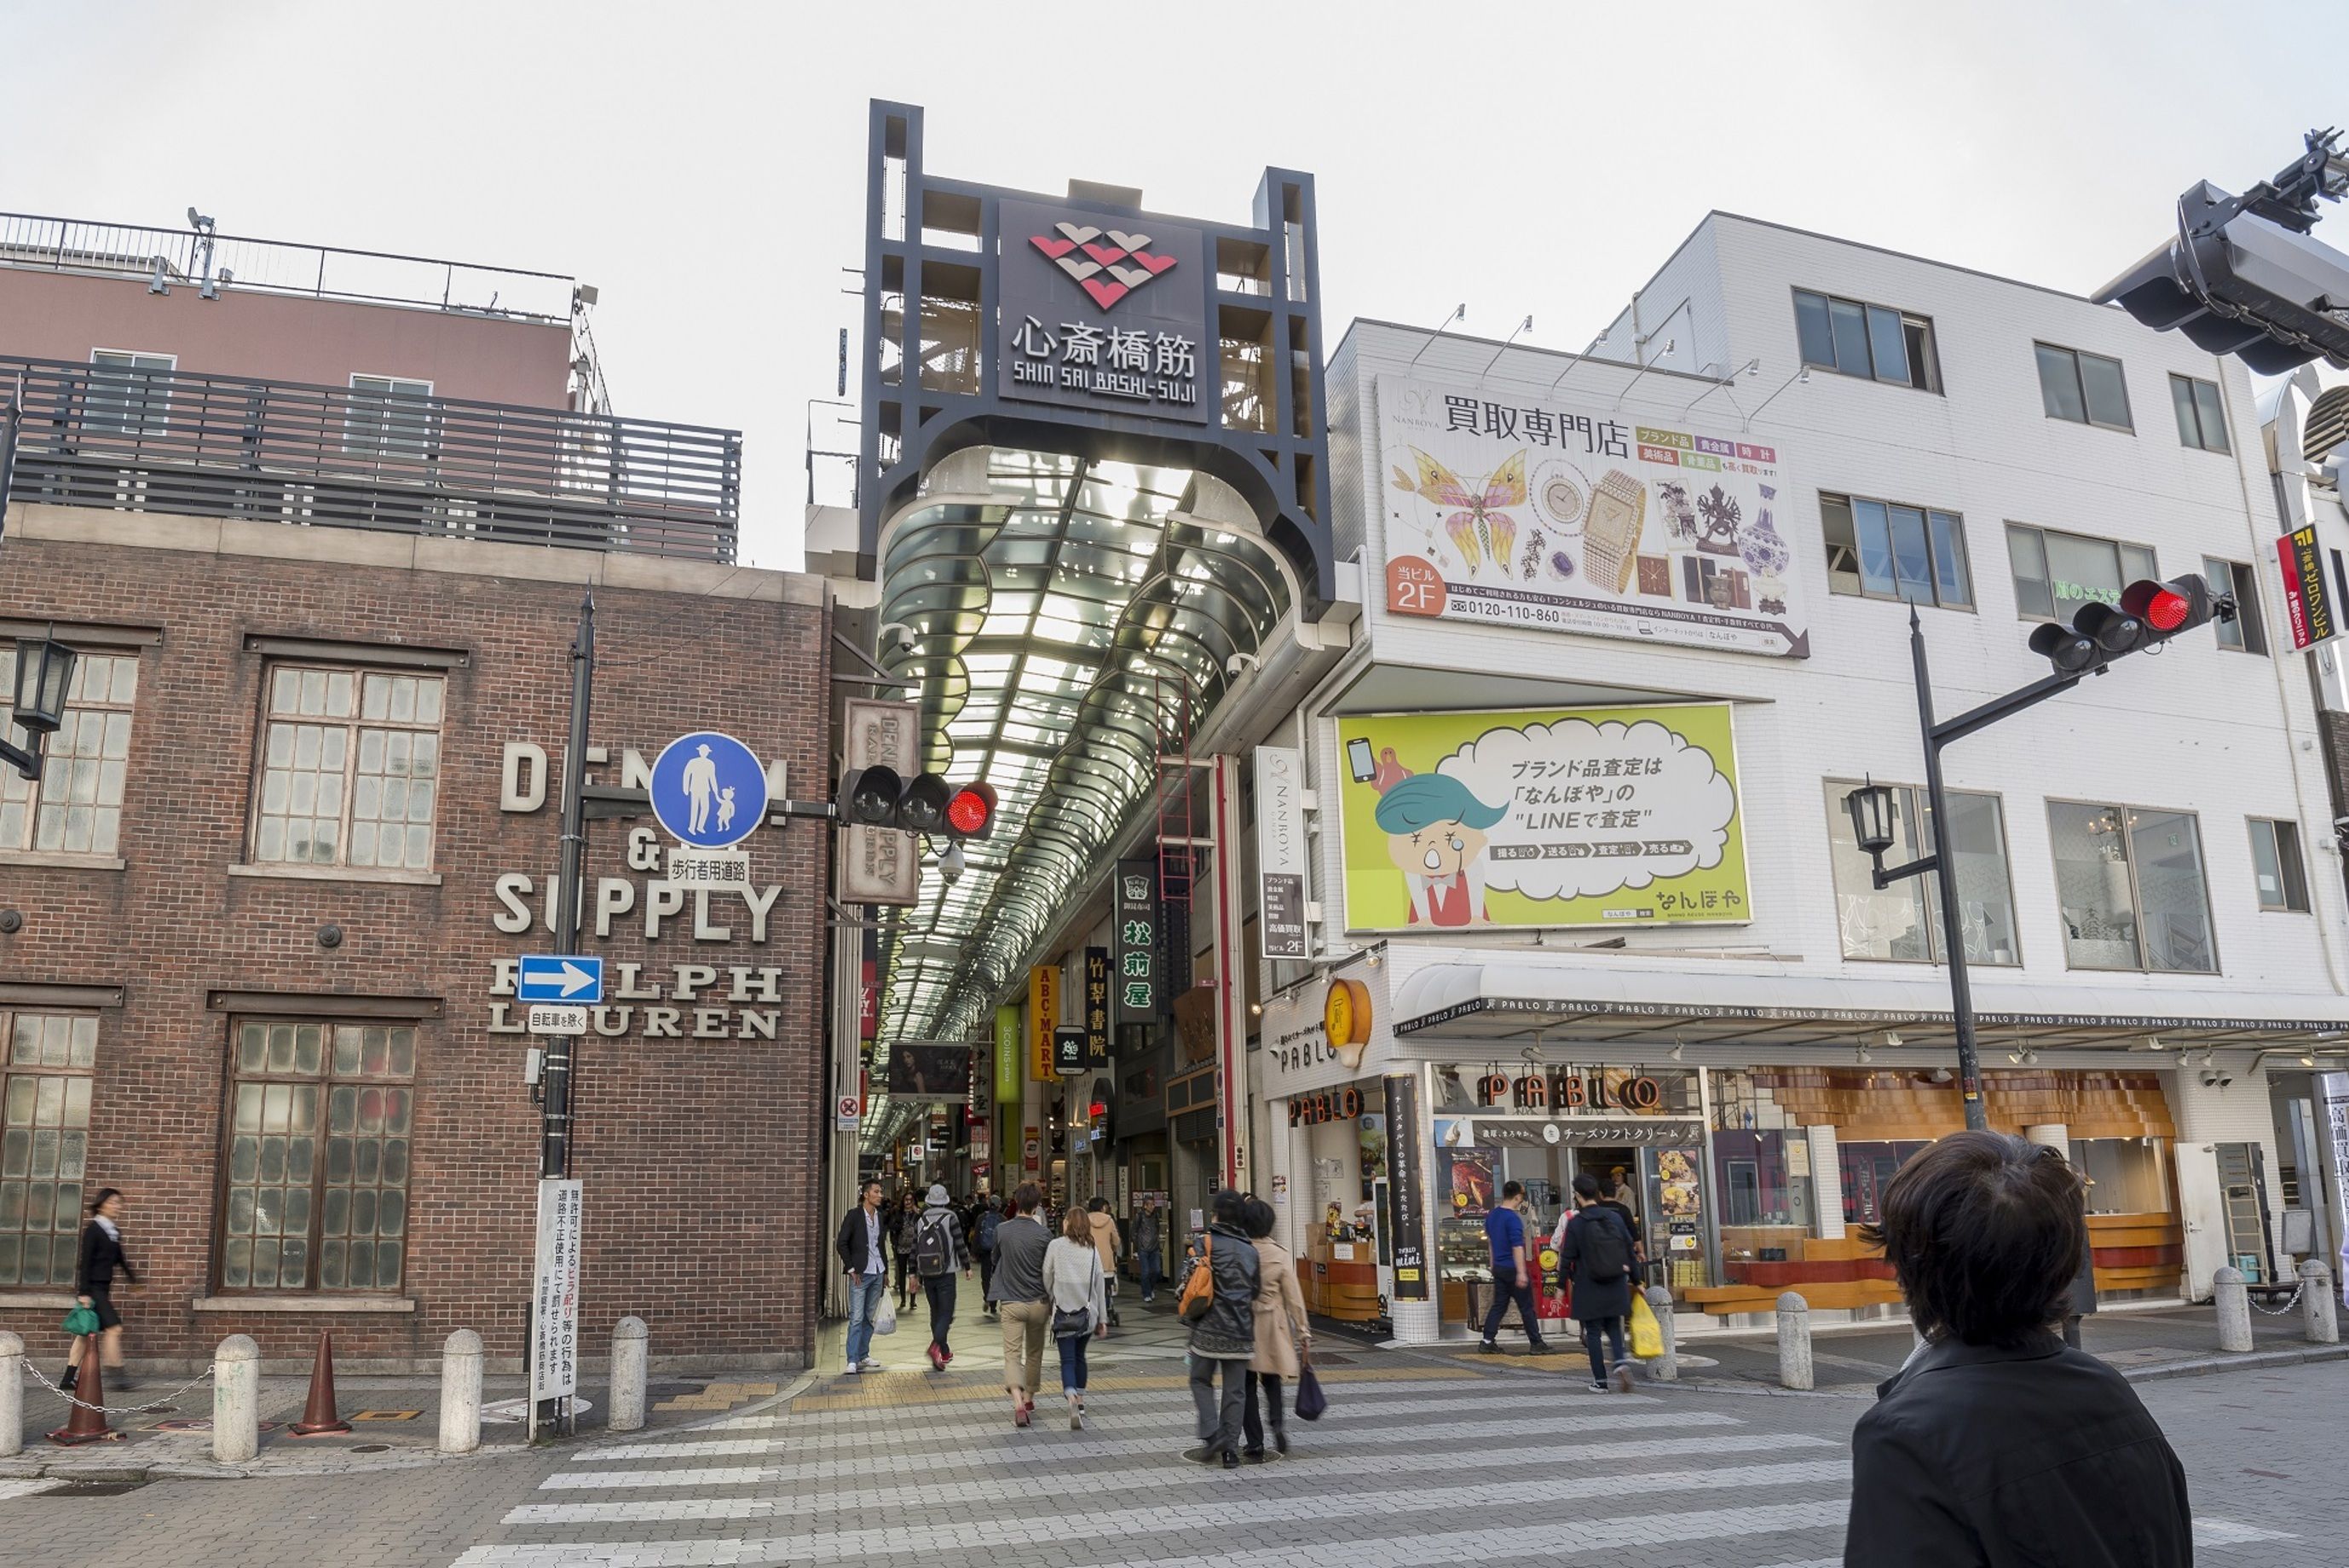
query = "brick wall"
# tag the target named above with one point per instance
(700, 1157)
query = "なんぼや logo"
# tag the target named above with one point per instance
(1108, 264)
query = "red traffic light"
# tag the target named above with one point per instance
(2164, 610)
(2179, 604)
(970, 813)
(1096, 1110)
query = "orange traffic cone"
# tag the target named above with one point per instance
(318, 1416)
(87, 1425)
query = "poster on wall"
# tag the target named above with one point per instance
(1407, 1215)
(1562, 518)
(1581, 817)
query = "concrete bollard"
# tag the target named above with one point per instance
(2319, 1313)
(1664, 1369)
(461, 1392)
(631, 1347)
(12, 1395)
(1793, 1341)
(2234, 1303)
(236, 1399)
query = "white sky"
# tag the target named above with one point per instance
(703, 164)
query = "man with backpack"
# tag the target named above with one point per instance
(1595, 1249)
(938, 1248)
(982, 1241)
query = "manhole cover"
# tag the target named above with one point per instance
(92, 1488)
(372, 1448)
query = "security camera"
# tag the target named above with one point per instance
(898, 637)
(2219, 1080)
(950, 864)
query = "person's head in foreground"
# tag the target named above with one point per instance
(1984, 1231)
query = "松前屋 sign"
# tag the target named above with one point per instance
(1577, 817)
(1556, 518)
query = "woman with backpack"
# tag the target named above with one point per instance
(939, 1251)
(1078, 1290)
(1595, 1251)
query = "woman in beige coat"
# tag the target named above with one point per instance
(1282, 1331)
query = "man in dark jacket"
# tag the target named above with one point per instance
(1226, 1337)
(863, 1246)
(1595, 1253)
(1997, 1443)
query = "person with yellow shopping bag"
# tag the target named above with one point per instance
(1646, 1334)
(1595, 1249)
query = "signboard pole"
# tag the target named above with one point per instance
(563, 1051)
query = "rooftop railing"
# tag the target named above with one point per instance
(336, 457)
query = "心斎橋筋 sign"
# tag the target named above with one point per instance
(1104, 313)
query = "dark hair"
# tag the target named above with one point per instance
(1609, 1186)
(1227, 1205)
(1078, 1226)
(103, 1194)
(1586, 1186)
(1255, 1217)
(1027, 1197)
(1984, 1233)
(1098, 1206)
(866, 1186)
(1512, 1189)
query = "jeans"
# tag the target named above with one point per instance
(1250, 1426)
(1507, 1289)
(1613, 1327)
(1219, 1421)
(865, 1295)
(1025, 1326)
(1148, 1265)
(1073, 1362)
(940, 1289)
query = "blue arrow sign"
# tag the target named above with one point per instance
(708, 790)
(548, 978)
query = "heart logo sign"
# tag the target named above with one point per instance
(1107, 266)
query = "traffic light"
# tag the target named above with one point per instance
(2149, 614)
(926, 804)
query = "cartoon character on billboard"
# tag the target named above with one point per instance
(1436, 832)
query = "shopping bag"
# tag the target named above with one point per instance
(887, 1322)
(1646, 1334)
(1310, 1400)
(80, 1320)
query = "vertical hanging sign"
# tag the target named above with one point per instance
(2307, 601)
(1280, 851)
(1007, 1054)
(1096, 1006)
(1406, 1209)
(1043, 1017)
(554, 1314)
(1138, 940)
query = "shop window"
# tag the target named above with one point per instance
(1873, 341)
(1867, 1168)
(2276, 865)
(315, 1192)
(2125, 1175)
(2056, 574)
(2201, 417)
(350, 769)
(2085, 389)
(45, 1086)
(1884, 549)
(2245, 633)
(2131, 887)
(1902, 924)
(75, 807)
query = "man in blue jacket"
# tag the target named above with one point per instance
(1504, 1228)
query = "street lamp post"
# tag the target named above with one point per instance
(36, 701)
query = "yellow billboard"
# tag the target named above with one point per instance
(1582, 817)
(1043, 1013)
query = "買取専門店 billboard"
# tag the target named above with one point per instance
(1518, 512)
(1557, 817)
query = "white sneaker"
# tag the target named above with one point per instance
(853, 1369)
(1623, 1377)
(868, 1365)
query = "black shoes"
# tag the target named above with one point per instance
(1205, 1454)
(1280, 1440)
(73, 1375)
(1231, 1459)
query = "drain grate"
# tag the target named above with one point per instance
(372, 1448)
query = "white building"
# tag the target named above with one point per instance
(2148, 880)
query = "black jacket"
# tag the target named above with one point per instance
(849, 1242)
(1975, 1457)
(101, 1254)
(1228, 1331)
(1593, 1300)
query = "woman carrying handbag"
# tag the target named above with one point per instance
(101, 1255)
(1076, 1286)
(1283, 1333)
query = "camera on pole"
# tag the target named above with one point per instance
(926, 804)
(2149, 613)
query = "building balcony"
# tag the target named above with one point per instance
(336, 457)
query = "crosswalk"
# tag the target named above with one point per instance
(1413, 1463)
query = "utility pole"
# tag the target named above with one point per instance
(563, 1054)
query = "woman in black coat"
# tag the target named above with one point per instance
(1998, 1443)
(94, 1271)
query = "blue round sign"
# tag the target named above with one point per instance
(708, 790)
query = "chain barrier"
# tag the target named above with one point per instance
(139, 1409)
(2290, 1302)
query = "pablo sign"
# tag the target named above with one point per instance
(1569, 1091)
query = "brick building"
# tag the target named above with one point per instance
(258, 917)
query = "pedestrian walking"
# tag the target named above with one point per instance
(1077, 1287)
(909, 1234)
(1513, 1279)
(1997, 1442)
(1149, 1246)
(1224, 1340)
(1595, 1249)
(1109, 1245)
(1020, 1304)
(1283, 1332)
(983, 1243)
(939, 1251)
(863, 1257)
(94, 1269)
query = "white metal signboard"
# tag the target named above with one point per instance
(1280, 851)
(554, 1293)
